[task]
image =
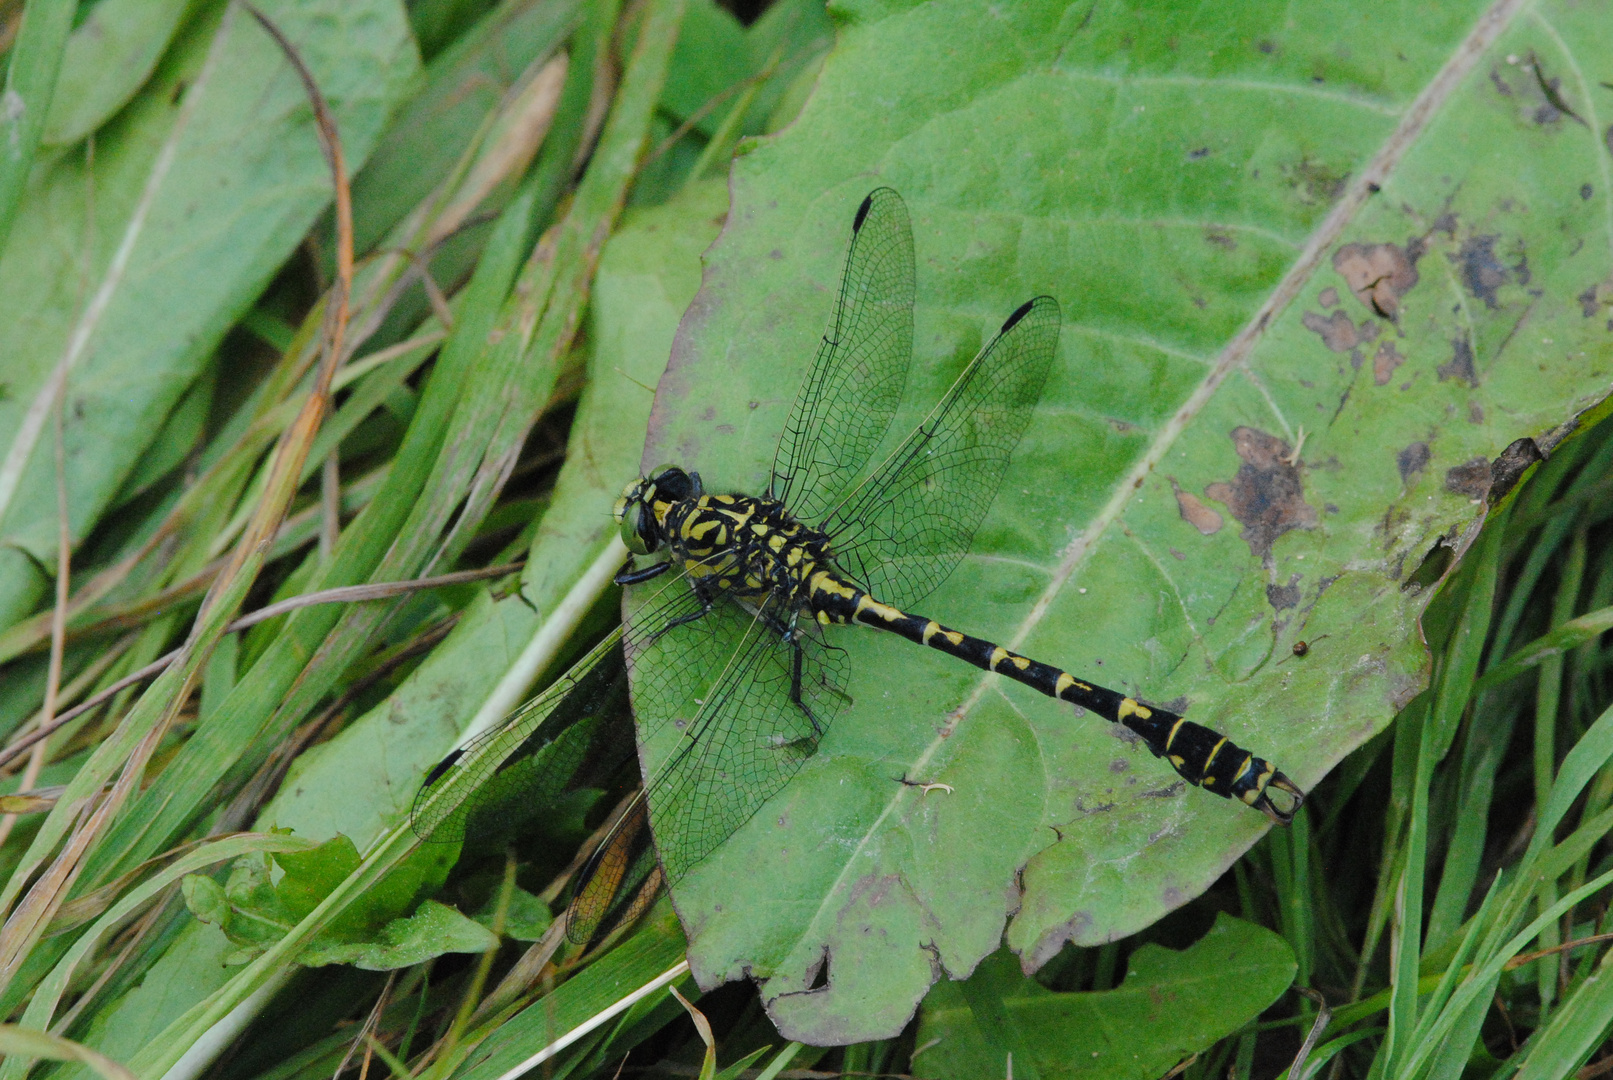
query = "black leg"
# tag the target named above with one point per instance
(633, 577)
(798, 660)
(707, 602)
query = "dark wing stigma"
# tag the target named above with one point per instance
(852, 392)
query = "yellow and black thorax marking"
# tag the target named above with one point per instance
(747, 545)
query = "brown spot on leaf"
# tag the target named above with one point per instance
(1267, 496)
(1337, 331)
(1384, 362)
(1328, 297)
(1378, 274)
(1505, 470)
(1475, 413)
(1194, 512)
(1411, 460)
(1282, 597)
(1460, 365)
(1470, 479)
(1220, 238)
(1482, 273)
(1594, 298)
(1316, 182)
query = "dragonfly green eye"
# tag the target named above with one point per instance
(632, 517)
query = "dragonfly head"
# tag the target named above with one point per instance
(641, 510)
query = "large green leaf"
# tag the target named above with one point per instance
(1316, 270)
(132, 264)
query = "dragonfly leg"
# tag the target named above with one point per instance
(707, 602)
(792, 636)
(625, 576)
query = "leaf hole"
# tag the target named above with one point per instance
(1435, 562)
(818, 974)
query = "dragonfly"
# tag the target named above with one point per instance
(735, 651)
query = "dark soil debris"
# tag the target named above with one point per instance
(1556, 106)
(1379, 274)
(1267, 496)
(1283, 597)
(1506, 469)
(1592, 299)
(1470, 479)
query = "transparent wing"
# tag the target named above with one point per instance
(855, 386)
(510, 772)
(901, 532)
(728, 711)
(618, 868)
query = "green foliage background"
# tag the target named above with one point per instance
(1318, 271)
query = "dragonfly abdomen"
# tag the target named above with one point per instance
(1200, 756)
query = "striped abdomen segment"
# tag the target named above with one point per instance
(1202, 757)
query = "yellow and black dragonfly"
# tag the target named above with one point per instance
(734, 662)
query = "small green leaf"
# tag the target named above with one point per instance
(434, 929)
(206, 900)
(1171, 1004)
(311, 875)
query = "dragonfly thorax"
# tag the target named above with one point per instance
(748, 546)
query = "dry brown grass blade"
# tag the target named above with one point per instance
(82, 909)
(346, 594)
(58, 616)
(292, 451)
(25, 924)
(71, 692)
(522, 126)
